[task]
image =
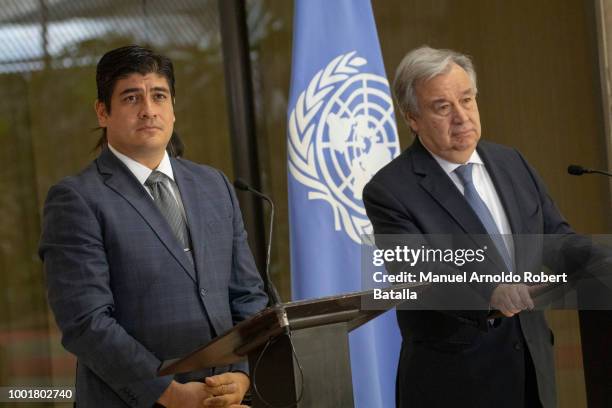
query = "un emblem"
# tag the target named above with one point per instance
(341, 132)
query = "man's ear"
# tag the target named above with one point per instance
(173, 105)
(411, 120)
(101, 113)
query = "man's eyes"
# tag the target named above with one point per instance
(446, 108)
(443, 109)
(158, 97)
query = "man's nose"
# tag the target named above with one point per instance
(460, 114)
(146, 109)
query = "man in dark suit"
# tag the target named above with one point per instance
(146, 255)
(451, 182)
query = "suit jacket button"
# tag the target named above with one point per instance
(517, 345)
(203, 292)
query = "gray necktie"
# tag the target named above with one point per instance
(471, 195)
(167, 204)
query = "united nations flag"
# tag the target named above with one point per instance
(341, 131)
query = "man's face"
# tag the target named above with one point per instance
(448, 122)
(141, 118)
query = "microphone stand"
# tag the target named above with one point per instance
(271, 289)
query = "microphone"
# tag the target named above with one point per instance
(577, 170)
(272, 292)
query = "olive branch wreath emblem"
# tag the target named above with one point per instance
(302, 128)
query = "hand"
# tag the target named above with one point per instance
(227, 390)
(511, 299)
(189, 395)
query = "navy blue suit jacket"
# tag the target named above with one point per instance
(124, 293)
(445, 361)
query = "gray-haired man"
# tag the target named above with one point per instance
(451, 182)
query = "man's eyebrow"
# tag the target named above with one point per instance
(160, 89)
(137, 90)
(469, 91)
(130, 90)
(438, 101)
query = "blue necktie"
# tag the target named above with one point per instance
(464, 173)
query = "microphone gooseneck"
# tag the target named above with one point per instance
(244, 186)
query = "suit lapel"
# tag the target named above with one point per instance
(504, 187)
(507, 192)
(122, 181)
(194, 200)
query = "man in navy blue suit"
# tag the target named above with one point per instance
(451, 182)
(146, 254)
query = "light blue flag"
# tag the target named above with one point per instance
(341, 132)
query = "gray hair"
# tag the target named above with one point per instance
(424, 63)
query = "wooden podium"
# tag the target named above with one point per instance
(298, 352)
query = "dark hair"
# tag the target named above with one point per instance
(175, 147)
(121, 62)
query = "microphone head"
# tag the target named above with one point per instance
(576, 170)
(240, 184)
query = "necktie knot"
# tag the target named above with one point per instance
(154, 178)
(464, 172)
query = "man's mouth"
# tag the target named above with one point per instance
(462, 132)
(145, 128)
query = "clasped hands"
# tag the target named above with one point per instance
(223, 390)
(511, 299)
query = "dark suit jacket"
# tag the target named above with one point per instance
(124, 294)
(445, 361)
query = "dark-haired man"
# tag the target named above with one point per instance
(145, 254)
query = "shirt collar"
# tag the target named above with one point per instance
(140, 171)
(448, 166)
